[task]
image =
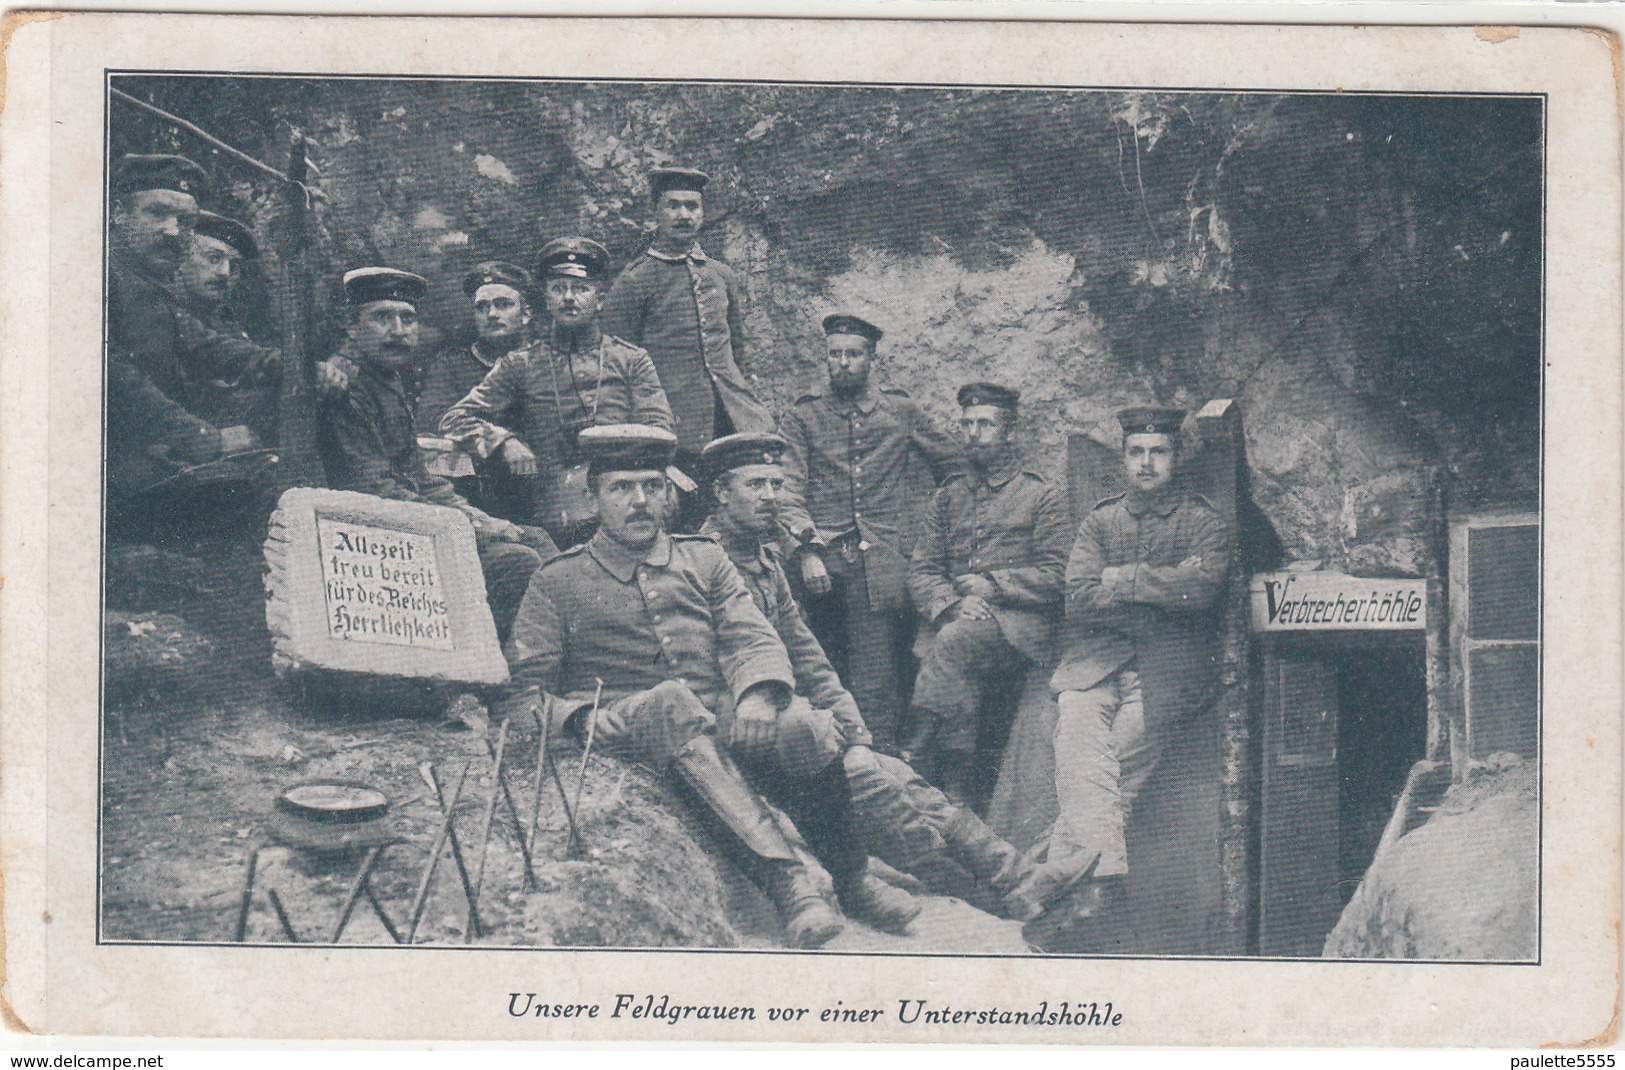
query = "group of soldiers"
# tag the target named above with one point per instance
(821, 612)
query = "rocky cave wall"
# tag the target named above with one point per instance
(1362, 273)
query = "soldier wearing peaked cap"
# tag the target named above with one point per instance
(368, 443)
(899, 817)
(656, 639)
(1142, 586)
(987, 576)
(499, 297)
(862, 465)
(163, 413)
(526, 413)
(687, 310)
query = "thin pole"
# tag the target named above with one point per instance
(537, 782)
(450, 808)
(210, 140)
(282, 916)
(246, 901)
(485, 830)
(586, 752)
(356, 885)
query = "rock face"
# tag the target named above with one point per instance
(1361, 274)
(1463, 886)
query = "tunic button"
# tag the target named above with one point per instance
(665, 640)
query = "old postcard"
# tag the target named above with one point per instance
(769, 530)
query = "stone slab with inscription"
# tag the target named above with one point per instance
(363, 585)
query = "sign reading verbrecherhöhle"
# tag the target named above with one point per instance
(1332, 601)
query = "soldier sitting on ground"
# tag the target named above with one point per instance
(901, 819)
(366, 438)
(649, 644)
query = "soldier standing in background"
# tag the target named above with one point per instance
(862, 465)
(687, 310)
(987, 575)
(528, 412)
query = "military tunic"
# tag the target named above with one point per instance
(763, 572)
(367, 441)
(859, 474)
(446, 381)
(678, 614)
(1012, 527)
(544, 394)
(687, 311)
(1160, 612)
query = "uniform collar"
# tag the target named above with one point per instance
(745, 550)
(693, 252)
(864, 402)
(1003, 474)
(622, 563)
(125, 263)
(578, 340)
(1162, 503)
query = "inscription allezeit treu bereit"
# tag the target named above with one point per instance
(382, 585)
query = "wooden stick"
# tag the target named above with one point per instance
(537, 783)
(282, 916)
(422, 896)
(564, 797)
(246, 899)
(586, 752)
(210, 140)
(355, 891)
(378, 909)
(518, 825)
(456, 847)
(485, 829)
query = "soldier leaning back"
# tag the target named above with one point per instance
(900, 818)
(664, 625)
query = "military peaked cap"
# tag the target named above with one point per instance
(1151, 420)
(579, 258)
(662, 179)
(846, 323)
(627, 448)
(741, 450)
(368, 284)
(133, 172)
(497, 273)
(988, 394)
(225, 229)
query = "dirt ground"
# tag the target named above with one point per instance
(199, 738)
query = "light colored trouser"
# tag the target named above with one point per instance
(1103, 756)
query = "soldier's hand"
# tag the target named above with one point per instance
(974, 583)
(237, 440)
(974, 607)
(755, 723)
(333, 376)
(518, 457)
(815, 574)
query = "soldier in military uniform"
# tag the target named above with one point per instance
(1140, 660)
(656, 639)
(528, 410)
(688, 310)
(987, 575)
(901, 818)
(366, 438)
(162, 361)
(862, 465)
(499, 296)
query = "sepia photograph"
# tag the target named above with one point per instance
(793, 530)
(846, 517)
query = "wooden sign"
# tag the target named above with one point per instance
(360, 584)
(1332, 601)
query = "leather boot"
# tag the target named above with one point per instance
(1091, 919)
(876, 903)
(766, 854)
(992, 861)
(809, 920)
